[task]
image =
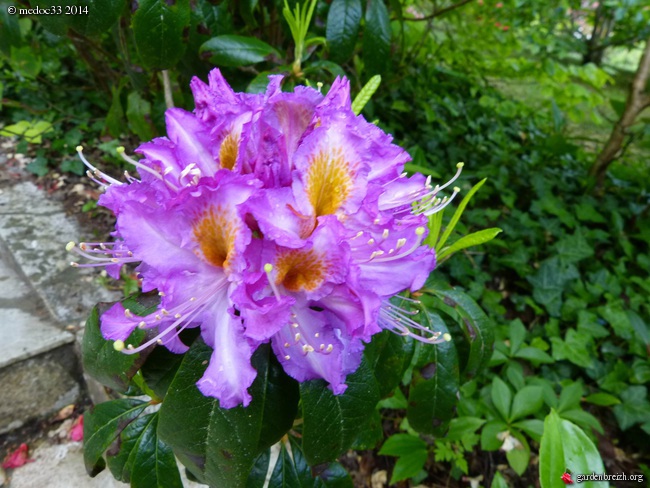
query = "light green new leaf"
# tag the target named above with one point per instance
(475, 239)
(565, 446)
(365, 94)
(459, 211)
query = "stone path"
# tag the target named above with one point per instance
(43, 301)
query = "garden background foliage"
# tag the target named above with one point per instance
(526, 93)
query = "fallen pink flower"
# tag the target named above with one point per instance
(77, 430)
(17, 458)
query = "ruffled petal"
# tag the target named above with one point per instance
(229, 372)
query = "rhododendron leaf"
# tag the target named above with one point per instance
(218, 445)
(103, 423)
(143, 459)
(342, 31)
(101, 360)
(89, 17)
(388, 355)
(290, 469)
(234, 51)
(160, 368)
(434, 387)
(333, 422)
(158, 27)
(376, 38)
(476, 328)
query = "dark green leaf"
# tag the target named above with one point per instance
(158, 27)
(10, 34)
(160, 368)
(144, 460)
(102, 424)
(343, 28)
(333, 422)
(101, 360)
(234, 51)
(220, 445)
(388, 355)
(476, 326)
(376, 38)
(433, 394)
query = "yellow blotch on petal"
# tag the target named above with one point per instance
(228, 151)
(215, 233)
(328, 181)
(300, 270)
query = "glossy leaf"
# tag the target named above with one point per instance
(342, 31)
(103, 423)
(388, 355)
(564, 445)
(376, 38)
(333, 422)
(97, 16)
(10, 34)
(234, 51)
(219, 445)
(101, 360)
(158, 27)
(143, 459)
(433, 394)
(475, 325)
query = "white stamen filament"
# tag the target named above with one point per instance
(268, 269)
(95, 171)
(419, 232)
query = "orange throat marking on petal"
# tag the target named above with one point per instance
(215, 233)
(229, 150)
(300, 270)
(329, 181)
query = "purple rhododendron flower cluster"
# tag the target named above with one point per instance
(276, 217)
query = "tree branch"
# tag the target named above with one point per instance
(438, 13)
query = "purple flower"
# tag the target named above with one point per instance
(279, 217)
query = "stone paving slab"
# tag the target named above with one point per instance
(40, 296)
(36, 230)
(25, 327)
(62, 466)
